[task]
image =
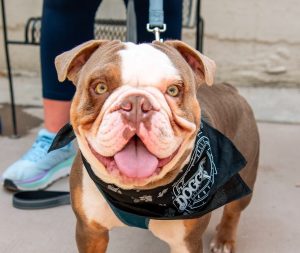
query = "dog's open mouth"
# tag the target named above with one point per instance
(134, 160)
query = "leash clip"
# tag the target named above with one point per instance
(157, 31)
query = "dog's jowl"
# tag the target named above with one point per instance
(161, 147)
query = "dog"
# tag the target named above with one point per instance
(136, 114)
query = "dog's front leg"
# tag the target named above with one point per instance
(183, 236)
(91, 238)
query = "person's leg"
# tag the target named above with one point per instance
(172, 17)
(65, 24)
(56, 114)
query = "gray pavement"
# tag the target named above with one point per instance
(270, 224)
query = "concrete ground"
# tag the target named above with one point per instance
(270, 224)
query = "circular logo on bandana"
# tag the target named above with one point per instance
(191, 190)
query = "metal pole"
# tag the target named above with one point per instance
(200, 28)
(10, 81)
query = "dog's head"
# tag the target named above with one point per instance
(135, 112)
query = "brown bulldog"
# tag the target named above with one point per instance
(136, 113)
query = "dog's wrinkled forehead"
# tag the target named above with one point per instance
(144, 65)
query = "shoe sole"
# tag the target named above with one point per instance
(60, 171)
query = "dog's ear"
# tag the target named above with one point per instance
(69, 63)
(203, 67)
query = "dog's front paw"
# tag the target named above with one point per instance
(221, 246)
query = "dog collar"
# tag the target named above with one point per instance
(208, 181)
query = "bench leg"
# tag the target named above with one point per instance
(10, 80)
(199, 28)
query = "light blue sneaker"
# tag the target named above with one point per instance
(37, 169)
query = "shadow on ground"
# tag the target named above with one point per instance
(26, 121)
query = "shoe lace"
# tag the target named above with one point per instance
(39, 149)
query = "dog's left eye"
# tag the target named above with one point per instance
(101, 88)
(173, 91)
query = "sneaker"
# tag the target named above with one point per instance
(37, 169)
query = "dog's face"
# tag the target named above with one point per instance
(135, 111)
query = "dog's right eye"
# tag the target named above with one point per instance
(173, 91)
(101, 88)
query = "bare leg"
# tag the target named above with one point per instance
(225, 239)
(56, 114)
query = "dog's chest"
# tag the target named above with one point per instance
(94, 206)
(96, 209)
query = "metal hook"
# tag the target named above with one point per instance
(157, 31)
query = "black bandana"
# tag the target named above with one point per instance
(208, 181)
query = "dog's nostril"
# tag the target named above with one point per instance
(146, 106)
(126, 106)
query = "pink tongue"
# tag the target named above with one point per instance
(135, 160)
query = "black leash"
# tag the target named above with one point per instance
(40, 199)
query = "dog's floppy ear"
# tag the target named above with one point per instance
(203, 67)
(69, 63)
